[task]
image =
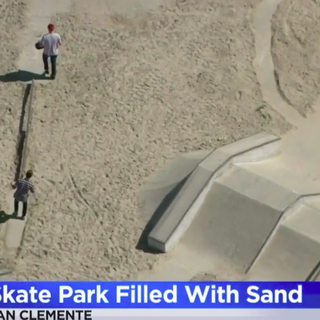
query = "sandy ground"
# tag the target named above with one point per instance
(295, 51)
(10, 106)
(12, 21)
(131, 93)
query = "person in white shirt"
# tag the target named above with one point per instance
(50, 43)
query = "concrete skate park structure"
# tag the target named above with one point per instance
(238, 205)
(245, 211)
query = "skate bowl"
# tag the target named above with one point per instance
(238, 205)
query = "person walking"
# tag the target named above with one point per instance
(50, 43)
(23, 187)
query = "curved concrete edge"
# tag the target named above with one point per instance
(257, 269)
(183, 209)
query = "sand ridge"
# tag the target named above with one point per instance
(131, 93)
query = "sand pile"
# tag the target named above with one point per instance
(295, 49)
(130, 95)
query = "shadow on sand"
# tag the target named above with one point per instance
(23, 76)
(21, 136)
(161, 209)
(4, 217)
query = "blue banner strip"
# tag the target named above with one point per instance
(166, 295)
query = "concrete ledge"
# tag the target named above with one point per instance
(292, 250)
(181, 212)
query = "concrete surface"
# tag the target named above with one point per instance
(275, 170)
(255, 219)
(179, 214)
(237, 216)
(292, 253)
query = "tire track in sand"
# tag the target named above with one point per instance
(263, 62)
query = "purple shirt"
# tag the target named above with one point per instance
(23, 186)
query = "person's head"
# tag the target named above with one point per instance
(29, 174)
(50, 27)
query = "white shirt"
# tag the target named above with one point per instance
(51, 43)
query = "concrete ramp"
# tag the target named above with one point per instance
(179, 214)
(292, 253)
(237, 216)
(234, 215)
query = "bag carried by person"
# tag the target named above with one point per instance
(38, 45)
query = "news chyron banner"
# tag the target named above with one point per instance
(158, 300)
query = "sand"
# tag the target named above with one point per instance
(132, 92)
(295, 49)
(10, 103)
(12, 15)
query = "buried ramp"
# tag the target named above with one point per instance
(265, 229)
(237, 216)
(179, 214)
(162, 188)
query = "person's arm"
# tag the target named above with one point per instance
(59, 40)
(33, 191)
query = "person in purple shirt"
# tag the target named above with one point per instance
(23, 187)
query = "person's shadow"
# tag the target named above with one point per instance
(4, 217)
(23, 76)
